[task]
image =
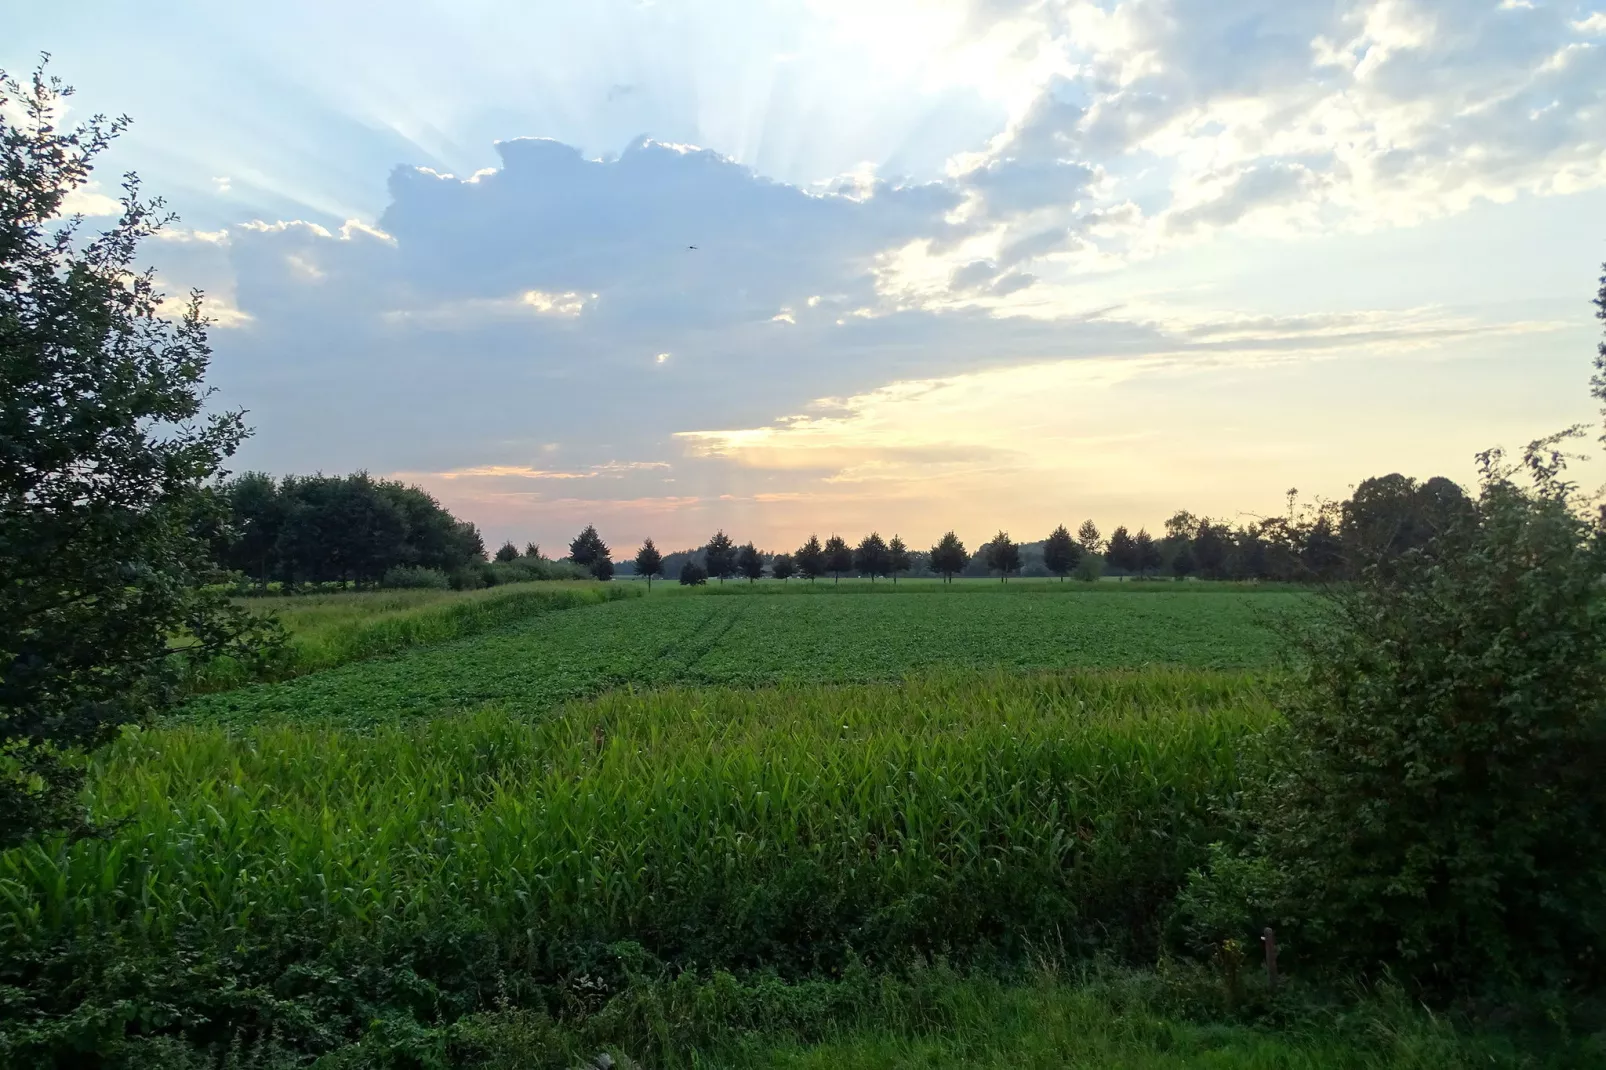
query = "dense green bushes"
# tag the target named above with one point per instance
(296, 879)
(1437, 807)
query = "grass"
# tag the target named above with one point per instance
(767, 634)
(327, 630)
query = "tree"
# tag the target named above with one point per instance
(749, 562)
(1061, 553)
(587, 548)
(1146, 553)
(897, 558)
(1440, 810)
(649, 562)
(811, 559)
(1002, 555)
(692, 574)
(1389, 515)
(257, 515)
(1122, 551)
(1211, 543)
(1089, 539)
(948, 557)
(602, 568)
(871, 557)
(720, 556)
(1182, 563)
(508, 552)
(782, 566)
(106, 523)
(532, 550)
(838, 556)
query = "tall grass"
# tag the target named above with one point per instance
(444, 863)
(333, 629)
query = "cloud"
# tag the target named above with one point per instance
(1363, 113)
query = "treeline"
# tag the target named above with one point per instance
(355, 529)
(1386, 516)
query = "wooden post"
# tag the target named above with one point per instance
(1269, 938)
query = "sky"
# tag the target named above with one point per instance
(827, 266)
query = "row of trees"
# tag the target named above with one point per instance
(1385, 517)
(321, 529)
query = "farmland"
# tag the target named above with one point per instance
(753, 826)
(773, 634)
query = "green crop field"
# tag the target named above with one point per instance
(739, 636)
(769, 826)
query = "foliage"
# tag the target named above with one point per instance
(105, 447)
(1144, 552)
(871, 557)
(1061, 553)
(782, 566)
(1389, 515)
(1089, 539)
(1438, 809)
(419, 867)
(1123, 550)
(1090, 568)
(1002, 555)
(693, 575)
(321, 529)
(587, 548)
(720, 557)
(507, 552)
(838, 557)
(403, 577)
(749, 562)
(1182, 562)
(948, 557)
(898, 559)
(649, 562)
(811, 559)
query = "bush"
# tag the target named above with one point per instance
(409, 578)
(692, 574)
(1439, 809)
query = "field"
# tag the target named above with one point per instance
(733, 636)
(932, 826)
(326, 630)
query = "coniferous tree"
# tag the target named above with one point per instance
(649, 562)
(897, 558)
(507, 552)
(838, 556)
(749, 562)
(782, 567)
(811, 559)
(1089, 539)
(587, 548)
(602, 568)
(1122, 551)
(1002, 555)
(532, 550)
(1061, 553)
(948, 558)
(1145, 552)
(871, 558)
(720, 556)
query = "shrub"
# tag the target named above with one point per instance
(1439, 808)
(409, 578)
(692, 574)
